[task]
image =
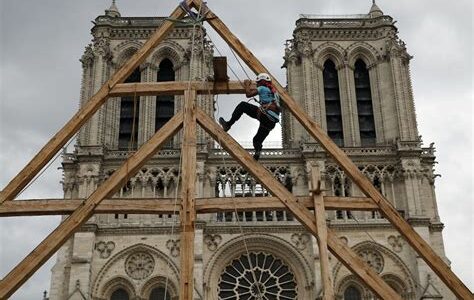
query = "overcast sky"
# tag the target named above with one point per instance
(41, 43)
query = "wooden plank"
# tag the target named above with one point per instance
(341, 251)
(86, 112)
(175, 88)
(188, 194)
(413, 238)
(320, 215)
(45, 207)
(66, 229)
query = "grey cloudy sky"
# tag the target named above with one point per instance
(42, 41)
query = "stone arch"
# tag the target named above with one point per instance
(395, 282)
(170, 50)
(350, 280)
(122, 255)
(330, 51)
(405, 277)
(263, 243)
(114, 284)
(125, 50)
(159, 281)
(364, 51)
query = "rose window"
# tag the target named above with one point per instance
(139, 265)
(271, 279)
(373, 259)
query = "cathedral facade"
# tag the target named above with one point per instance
(350, 73)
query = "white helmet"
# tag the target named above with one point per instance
(263, 76)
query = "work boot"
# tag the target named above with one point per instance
(225, 125)
(256, 156)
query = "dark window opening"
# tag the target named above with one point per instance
(129, 114)
(164, 103)
(120, 294)
(333, 103)
(352, 293)
(365, 110)
(159, 294)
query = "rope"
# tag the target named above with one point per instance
(47, 167)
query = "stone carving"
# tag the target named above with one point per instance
(344, 240)
(373, 259)
(300, 240)
(139, 265)
(212, 241)
(173, 246)
(105, 248)
(396, 242)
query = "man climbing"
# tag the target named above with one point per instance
(268, 114)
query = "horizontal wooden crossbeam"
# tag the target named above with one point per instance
(176, 88)
(166, 205)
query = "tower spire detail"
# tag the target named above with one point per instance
(375, 10)
(113, 10)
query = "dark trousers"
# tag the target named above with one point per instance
(266, 125)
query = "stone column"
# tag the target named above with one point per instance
(320, 100)
(403, 96)
(376, 103)
(87, 61)
(350, 119)
(81, 261)
(102, 57)
(289, 123)
(147, 105)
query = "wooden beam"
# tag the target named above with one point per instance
(45, 207)
(175, 88)
(320, 215)
(414, 239)
(188, 193)
(340, 250)
(86, 112)
(66, 229)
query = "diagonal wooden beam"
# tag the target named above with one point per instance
(46, 207)
(86, 112)
(188, 194)
(66, 229)
(411, 236)
(350, 259)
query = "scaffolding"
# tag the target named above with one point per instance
(187, 120)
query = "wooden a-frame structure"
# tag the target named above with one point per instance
(81, 210)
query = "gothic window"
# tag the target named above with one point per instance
(352, 293)
(120, 294)
(257, 276)
(333, 103)
(160, 294)
(164, 103)
(364, 104)
(129, 112)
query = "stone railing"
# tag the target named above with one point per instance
(357, 21)
(255, 217)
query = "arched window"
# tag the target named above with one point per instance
(164, 103)
(129, 112)
(352, 293)
(120, 294)
(364, 104)
(333, 103)
(160, 293)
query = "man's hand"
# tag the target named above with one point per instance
(247, 82)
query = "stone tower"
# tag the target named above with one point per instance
(350, 73)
